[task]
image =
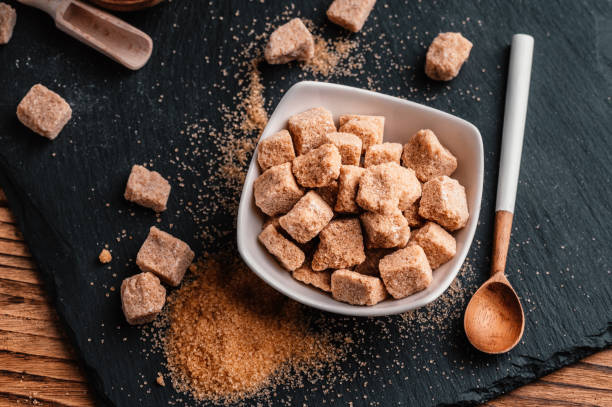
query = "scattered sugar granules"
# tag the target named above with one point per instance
(229, 334)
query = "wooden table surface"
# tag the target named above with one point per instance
(38, 366)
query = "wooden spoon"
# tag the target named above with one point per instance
(494, 320)
(102, 31)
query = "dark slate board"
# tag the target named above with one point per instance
(558, 261)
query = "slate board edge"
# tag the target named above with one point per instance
(470, 397)
(19, 206)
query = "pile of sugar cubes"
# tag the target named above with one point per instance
(339, 205)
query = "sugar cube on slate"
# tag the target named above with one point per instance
(8, 18)
(165, 255)
(142, 298)
(289, 42)
(147, 188)
(446, 55)
(357, 289)
(350, 14)
(44, 111)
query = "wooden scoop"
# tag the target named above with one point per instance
(494, 320)
(111, 36)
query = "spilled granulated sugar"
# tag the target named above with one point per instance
(229, 335)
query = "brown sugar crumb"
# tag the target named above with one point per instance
(229, 335)
(289, 42)
(44, 111)
(446, 55)
(160, 380)
(350, 14)
(105, 256)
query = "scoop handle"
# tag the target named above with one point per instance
(517, 94)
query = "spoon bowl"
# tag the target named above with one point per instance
(494, 321)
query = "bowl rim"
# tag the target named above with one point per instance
(344, 308)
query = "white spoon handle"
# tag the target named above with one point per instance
(517, 93)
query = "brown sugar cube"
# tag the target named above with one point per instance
(370, 266)
(439, 245)
(348, 184)
(310, 128)
(427, 157)
(164, 255)
(319, 279)
(289, 42)
(340, 246)
(445, 203)
(8, 18)
(409, 187)
(383, 187)
(307, 218)
(288, 254)
(319, 167)
(276, 191)
(349, 146)
(412, 215)
(350, 14)
(357, 289)
(275, 150)
(369, 129)
(383, 153)
(147, 188)
(405, 271)
(385, 230)
(142, 298)
(446, 55)
(44, 111)
(329, 193)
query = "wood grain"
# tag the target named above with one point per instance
(38, 366)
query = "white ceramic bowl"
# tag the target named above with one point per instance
(403, 118)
